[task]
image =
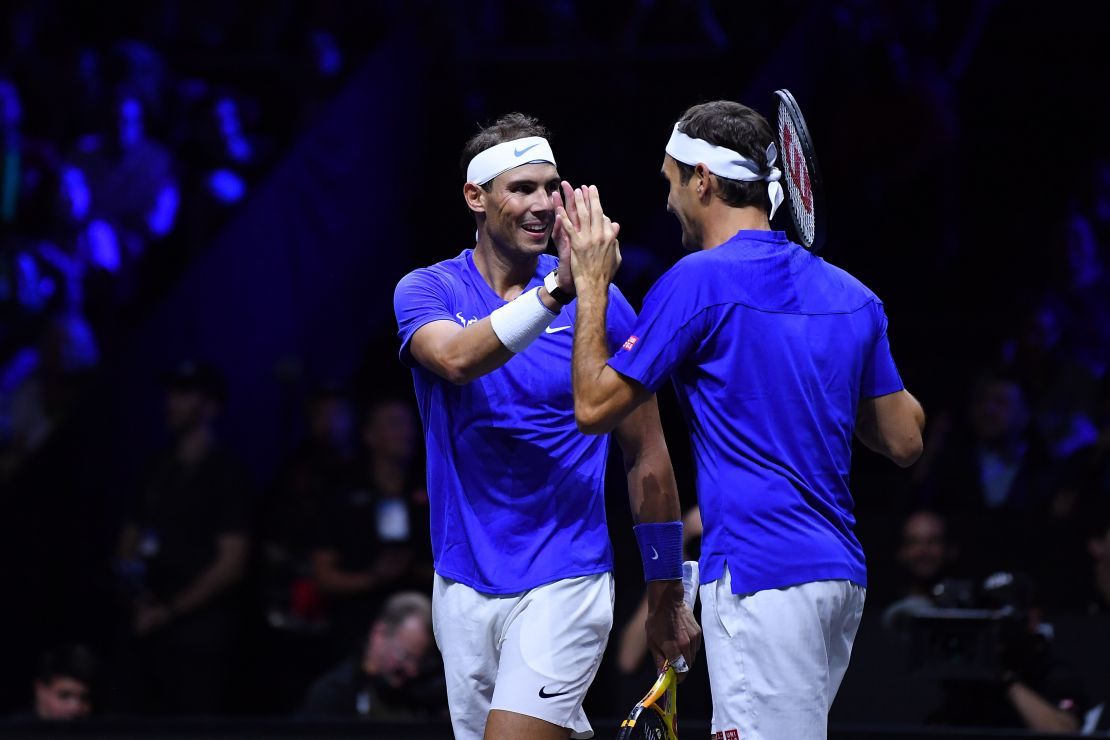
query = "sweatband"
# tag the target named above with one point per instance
(490, 163)
(660, 549)
(725, 162)
(521, 320)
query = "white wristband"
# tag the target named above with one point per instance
(520, 321)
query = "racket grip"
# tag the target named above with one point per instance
(691, 578)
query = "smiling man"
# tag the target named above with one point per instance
(523, 593)
(777, 358)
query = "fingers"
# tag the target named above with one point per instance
(581, 210)
(597, 216)
(567, 198)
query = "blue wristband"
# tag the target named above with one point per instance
(661, 550)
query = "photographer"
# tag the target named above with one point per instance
(1025, 685)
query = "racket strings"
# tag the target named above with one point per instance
(799, 186)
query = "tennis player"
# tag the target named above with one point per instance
(523, 593)
(777, 358)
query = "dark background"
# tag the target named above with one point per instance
(956, 139)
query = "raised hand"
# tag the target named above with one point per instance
(591, 237)
(564, 200)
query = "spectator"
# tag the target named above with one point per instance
(374, 537)
(926, 557)
(1098, 547)
(183, 553)
(131, 177)
(396, 673)
(65, 683)
(1031, 688)
(294, 606)
(990, 474)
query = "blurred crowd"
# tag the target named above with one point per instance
(128, 142)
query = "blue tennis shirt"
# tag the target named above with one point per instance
(770, 349)
(516, 491)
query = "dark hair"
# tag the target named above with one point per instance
(737, 127)
(506, 128)
(69, 661)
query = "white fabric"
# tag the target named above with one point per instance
(776, 657)
(490, 163)
(727, 163)
(521, 320)
(501, 652)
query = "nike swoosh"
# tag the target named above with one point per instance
(545, 695)
(553, 329)
(654, 553)
(518, 152)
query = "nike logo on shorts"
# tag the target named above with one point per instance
(553, 329)
(545, 695)
(518, 152)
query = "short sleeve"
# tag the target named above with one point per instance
(880, 375)
(619, 320)
(420, 298)
(667, 331)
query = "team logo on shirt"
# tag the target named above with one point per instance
(631, 342)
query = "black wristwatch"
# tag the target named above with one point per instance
(551, 282)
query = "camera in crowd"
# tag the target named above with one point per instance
(974, 631)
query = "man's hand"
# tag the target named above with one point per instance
(671, 627)
(564, 200)
(150, 617)
(594, 250)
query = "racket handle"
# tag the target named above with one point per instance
(691, 578)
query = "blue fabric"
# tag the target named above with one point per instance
(516, 491)
(660, 549)
(770, 349)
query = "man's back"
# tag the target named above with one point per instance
(770, 349)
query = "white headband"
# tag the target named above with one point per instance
(727, 163)
(501, 157)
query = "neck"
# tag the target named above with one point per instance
(193, 445)
(721, 222)
(506, 273)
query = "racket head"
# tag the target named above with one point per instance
(647, 724)
(801, 174)
(655, 716)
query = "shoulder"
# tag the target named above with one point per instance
(443, 271)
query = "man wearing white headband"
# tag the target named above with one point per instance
(778, 358)
(523, 592)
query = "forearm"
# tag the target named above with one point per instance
(590, 349)
(214, 580)
(463, 354)
(1037, 713)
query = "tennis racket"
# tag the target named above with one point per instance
(655, 717)
(804, 188)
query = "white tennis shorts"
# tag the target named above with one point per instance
(776, 657)
(534, 653)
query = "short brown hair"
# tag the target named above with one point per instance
(506, 128)
(737, 127)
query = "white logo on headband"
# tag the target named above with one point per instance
(501, 157)
(727, 163)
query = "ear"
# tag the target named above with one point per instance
(704, 182)
(474, 196)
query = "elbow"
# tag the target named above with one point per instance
(459, 373)
(592, 420)
(908, 452)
